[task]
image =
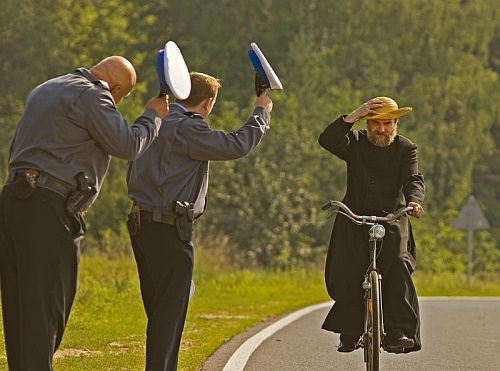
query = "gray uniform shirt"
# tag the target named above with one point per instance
(70, 124)
(175, 167)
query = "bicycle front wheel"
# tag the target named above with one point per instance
(372, 340)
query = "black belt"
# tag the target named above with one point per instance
(164, 218)
(45, 180)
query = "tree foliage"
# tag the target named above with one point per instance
(441, 58)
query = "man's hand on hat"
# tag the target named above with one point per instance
(159, 104)
(363, 110)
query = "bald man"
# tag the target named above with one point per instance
(118, 73)
(59, 156)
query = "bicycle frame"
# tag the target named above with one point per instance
(373, 333)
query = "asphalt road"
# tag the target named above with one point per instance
(457, 334)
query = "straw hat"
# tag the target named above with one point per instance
(388, 110)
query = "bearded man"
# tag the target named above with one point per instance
(382, 177)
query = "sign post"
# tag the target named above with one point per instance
(470, 218)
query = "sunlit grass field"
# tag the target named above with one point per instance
(107, 325)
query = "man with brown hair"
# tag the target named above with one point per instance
(59, 156)
(382, 177)
(169, 186)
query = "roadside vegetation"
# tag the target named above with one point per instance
(107, 325)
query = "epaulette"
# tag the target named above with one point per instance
(193, 115)
(102, 84)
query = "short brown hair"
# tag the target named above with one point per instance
(203, 86)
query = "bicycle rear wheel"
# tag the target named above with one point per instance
(372, 337)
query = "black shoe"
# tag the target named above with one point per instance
(397, 341)
(395, 350)
(348, 343)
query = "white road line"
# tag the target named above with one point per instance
(240, 357)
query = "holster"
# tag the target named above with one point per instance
(134, 221)
(79, 198)
(25, 183)
(184, 221)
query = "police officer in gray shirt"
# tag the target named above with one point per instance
(168, 185)
(59, 156)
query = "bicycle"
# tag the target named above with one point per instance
(373, 334)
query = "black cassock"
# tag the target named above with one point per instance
(380, 180)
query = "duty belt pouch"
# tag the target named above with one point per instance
(134, 221)
(26, 184)
(184, 221)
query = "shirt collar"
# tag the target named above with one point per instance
(180, 105)
(86, 73)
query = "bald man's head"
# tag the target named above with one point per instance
(119, 73)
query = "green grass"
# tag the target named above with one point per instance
(226, 304)
(107, 324)
(106, 329)
(455, 284)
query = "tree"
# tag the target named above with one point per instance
(331, 56)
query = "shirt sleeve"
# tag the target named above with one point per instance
(336, 138)
(205, 144)
(413, 180)
(108, 127)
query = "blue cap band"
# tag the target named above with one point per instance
(257, 65)
(161, 72)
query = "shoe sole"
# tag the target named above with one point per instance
(407, 343)
(348, 350)
(395, 350)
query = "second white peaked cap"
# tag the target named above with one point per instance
(262, 67)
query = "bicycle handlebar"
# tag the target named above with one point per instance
(364, 219)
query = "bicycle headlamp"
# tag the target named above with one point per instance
(377, 231)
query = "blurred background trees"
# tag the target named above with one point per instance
(443, 59)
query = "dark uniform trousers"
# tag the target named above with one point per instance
(165, 266)
(39, 255)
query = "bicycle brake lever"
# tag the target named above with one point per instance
(357, 222)
(333, 212)
(392, 221)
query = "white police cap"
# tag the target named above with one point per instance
(265, 76)
(172, 72)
